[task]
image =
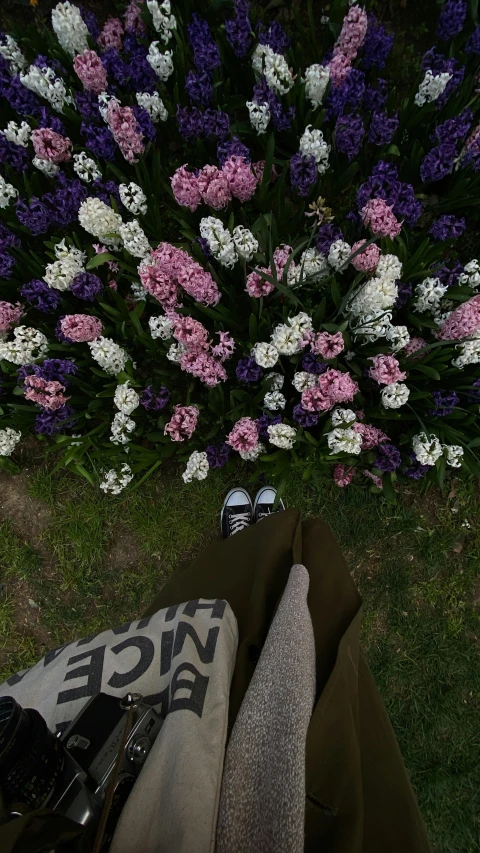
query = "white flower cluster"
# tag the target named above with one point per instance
(197, 467)
(429, 295)
(70, 262)
(470, 274)
(133, 198)
(18, 133)
(312, 144)
(303, 380)
(7, 192)
(70, 28)
(301, 323)
(10, 51)
(316, 82)
(286, 339)
(431, 87)
(114, 483)
(86, 168)
(259, 115)
(28, 345)
(343, 416)
(427, 448)
(162, 63)
(469, 352)
(275, 401)
(245, 243)
(454, 455)
(134, 239)
(275, 381)
(252, 455)
(100, 220)
(220, 241)
(108, 355)
(398, 337)
(282, 435)
(121, 428)
(370, 308)
(46, 166)
(266, 355)
(175, 352)
(395, 395)
(312, 267)
(126, 399)
(274, 67)
(160, 327)
(339, 254)
(344, 441)
(45, 83)
(9, 438)
(153, 104)
(163, 21)
(138, 292)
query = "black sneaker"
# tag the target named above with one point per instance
(264, 501)
(237, 512)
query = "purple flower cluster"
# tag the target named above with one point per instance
(448, 228)
(13, 155)
(388, 457)
(377, 45)
(206, 55)
(104, 190)
(404, 293)
(34, 215)
(445, 402)
(238, 29)
(449, 275)
(263, 422)
(474, 393)
(349, 133)
(350, 94)
(383, 183)
(452, 19)
(382, 128)
(438, 162)
(144, 122)
(8, 238)
(248, 370)
(205, 247)
(41, 296)
(218, 455)
(64, 203)
(154, 401)
(86, 286)
(303, 173)
(49, 422)
(274, 36)
(87, 105)
(327, 234)
(232, 148)
(439, 64)
(473, 43)
(193, 124)
(304, 418)
(454, 129)
(281, 118)
(90, 20)
(376, 97)
(6, 265)
(416, 470)
(199, 88)
(52, 370)
(99, 140)
(310, 364)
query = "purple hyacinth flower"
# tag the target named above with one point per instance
(86, 286)
(416, 470)
(216, 123)
(377, 45)
(438, 163)
(376, 97)
(154, 401)
(310, 364)
(388, 457)
(6, 265)
(473, 43)
(49, 422)
(238, 29)
(449, 275)
(454, 129)
(473, 395)
(303, 173)
(13, 155)
(104, 190)
(404, 293)
(247, 370)
(8, 238)
(144, 123)
(99, 141)
(41, 296)
(274, 36)
(303, 417)
(34, 215)
(232, 148)
(263, 422)
(191, 123)
(445, 402)
(452, 19)
(218, 455)
(382, 128)
(328, 234)
(91, 22)
(87, 105)
(52, 370)
(206, 55)
(349, 133)
(448, 227)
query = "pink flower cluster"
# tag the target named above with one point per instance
(376, 479)
(415, 344)
(353, 33)
(328, 346)
(201, 358)
(81, 327)
(371, 436)
(332, 387)
(51, 146)
(111, 35)
(339, 66)
(168, 269)
(367, 260)
(343, 475)
(133, 17)
(258, 286)
(102, 250)
(386, 370)
(244, 435)
(214, 186)
(46, 394)
(183, 423)
(125, 131)
(378, 215)
(9, 314)
(463, 322)
(91, 72)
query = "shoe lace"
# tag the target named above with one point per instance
(238, 521)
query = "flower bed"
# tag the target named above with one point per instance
(223, 241)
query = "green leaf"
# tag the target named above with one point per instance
(429, 371)
(100, 259)
(268, 166)
(388, 489)
(335, 292)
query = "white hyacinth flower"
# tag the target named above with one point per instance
(312, 144)
(220, 241)
(259, 115)
(133, 198)
(70, 28)
(275, 401)
(10, 51)
(398, 337)
(153, 104)
(469, 354)
(114, 483)
(282, 435)
(45, 83)
(197, 467)
(343, 416)
(275, 381)
(121, 428)
(395, 395)
(344, 441)
(162, 63)
(301, 322)
(316, 82)
(175, 352)
(160, 327)
(286, 340)
(138, 292)
(389, 267)
(70, 262)
(303, 380)
(427, 448)
(86, 168)
(134, 239)
(245, 243)
(266, 355)
(9, 439)
(339, 254)
(100, 220)
(28, 345)
(252, 455)
(277, 73)
(7, 193)
(46, 166)
(126, 399)
(454, 454)
(111, 357)
(429, 294)
(162, 18)
(18, 133)
(471, 274)
(431, 87)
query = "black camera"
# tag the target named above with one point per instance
(71, 773)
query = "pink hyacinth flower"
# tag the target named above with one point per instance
(280, 258)
(339, 66)
(133, 17)
(81, 327)
(46, 394)
(214, 187)
(367, 260)
(328, 346)
(463, 322)
(415, 344)
(51, 146)
(338, 387)
(190, 332)
(182, 423)
(125, 130)
(244, 435)
(91, 72)
(315, 400)
(371, 436)
(352, 35)
(258, 286)
(376, 479)
(202, 365)
(111, 35)
(343, 475)
(386, 370)
(9, 314)
(378, 215)
(240, 177)
(185, 188)
(225, 348)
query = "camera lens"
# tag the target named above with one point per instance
(31, 757)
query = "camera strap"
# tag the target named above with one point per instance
(113, 781)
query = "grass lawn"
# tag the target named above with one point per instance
(73, 561)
